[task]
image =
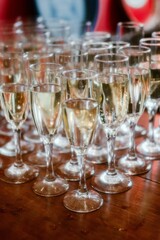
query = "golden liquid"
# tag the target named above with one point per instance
(80, 119)
(139, 91)
(115, 99)
(83, 89)
(46, 108)
(14, 99)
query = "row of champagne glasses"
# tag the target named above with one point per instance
(29, 40)
(45, 102)
(117, 77)
(14, 102)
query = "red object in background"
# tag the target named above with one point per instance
(109, 13)
(139, 10)
(10, 9)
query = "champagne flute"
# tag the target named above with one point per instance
(14, 100)
(149, 148)
(138, 56)
(114, 79)
(32, 136)
(80, 117)
(69, 57)
(96, 152)
(139, 61)
(45, 100)
(131, 163)
(9, 52)
(80, 83)
(156, 34)
(122, 136)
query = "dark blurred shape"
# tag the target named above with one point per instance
(11, 9)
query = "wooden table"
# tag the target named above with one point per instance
(134, 214)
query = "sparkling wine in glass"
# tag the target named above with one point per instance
(80, 118)
(79, 83)
(70, 58)
(9, 55)
(45, 100)
(14, 92)
(96, 152)
(149, 147)
(37, 157)
(139, 87)
(114, 79)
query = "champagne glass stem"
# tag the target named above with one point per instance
(111, 155)
(17, 137)
(151, 127)
(50, 175)
(73, 159)
(82, 183)
(131, 151)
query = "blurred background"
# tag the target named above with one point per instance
(103, 14)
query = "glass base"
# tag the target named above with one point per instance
(112, 184)
(61, 144)
(70, 171)
(149, 149)
(134, 167)
(50, 188)
(82, 202)
(96, 154)
(9, 148)
(18, 175)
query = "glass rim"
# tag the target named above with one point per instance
(111, 75)
(155, 34)
(36, 85)
(118, 42)
(86, 46)
(148, 41)
(33, 67)
(89, 73)
(123, 57)
(6, 85)
(98, 33)
(86, 43)
(139, 47)
(130, 24)
(74, 53)
(82, 100)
